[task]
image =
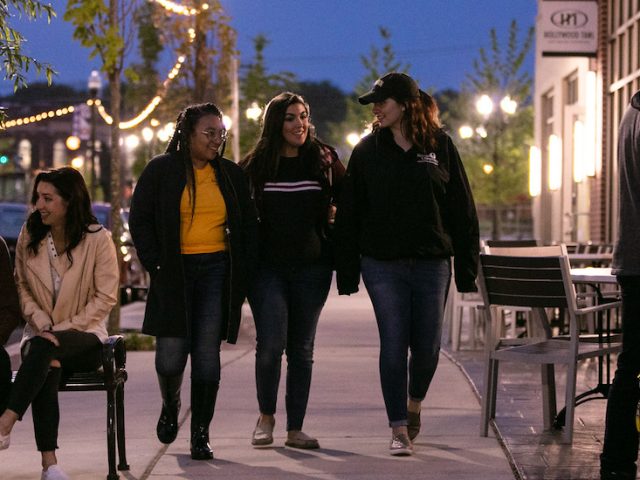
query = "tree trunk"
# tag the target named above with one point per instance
(201, 70)
(116, 194)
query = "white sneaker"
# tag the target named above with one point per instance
(400, 445)
(54, 472)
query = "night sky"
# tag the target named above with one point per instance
(323, 40)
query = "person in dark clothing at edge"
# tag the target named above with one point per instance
(294, 178)
(194, 226)
(620, 449)
(406, 208)
(10, 318)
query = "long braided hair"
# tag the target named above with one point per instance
(70, 185)
(179, 145)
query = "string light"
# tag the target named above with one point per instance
(38, 117)
(146, 111)
(124, 125)
(174, 7)
(155, 101)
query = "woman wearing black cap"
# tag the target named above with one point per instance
(405, 210)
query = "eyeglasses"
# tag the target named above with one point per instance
(214, 133)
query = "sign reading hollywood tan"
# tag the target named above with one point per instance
(567, 28)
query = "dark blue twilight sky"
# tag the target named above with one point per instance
(323, 39)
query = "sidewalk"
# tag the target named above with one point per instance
(346, 413)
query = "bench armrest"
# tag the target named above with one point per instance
(114, 357)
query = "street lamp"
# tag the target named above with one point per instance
(94, 84)
(495, 122)
(253, 112)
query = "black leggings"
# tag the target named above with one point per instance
(37, 382)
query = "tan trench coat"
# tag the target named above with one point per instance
(88, 290)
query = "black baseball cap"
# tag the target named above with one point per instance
(399, 86)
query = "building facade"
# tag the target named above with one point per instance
(579, 101)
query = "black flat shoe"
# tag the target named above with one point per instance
(167, 428)
(200, 448)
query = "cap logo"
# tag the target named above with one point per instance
(379, 83)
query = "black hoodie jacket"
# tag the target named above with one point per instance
(414, 204)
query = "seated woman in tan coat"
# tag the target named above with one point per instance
(67, 278)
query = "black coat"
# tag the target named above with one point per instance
(155, 227)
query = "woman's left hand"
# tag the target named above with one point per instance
(331, 214)
(46, 334)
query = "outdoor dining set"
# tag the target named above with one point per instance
(550, 306)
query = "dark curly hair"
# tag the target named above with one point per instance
(70, 185)
(261, 163)
(179, 144)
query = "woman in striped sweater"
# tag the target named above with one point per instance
(294, 179)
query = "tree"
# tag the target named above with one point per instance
(209, 43)
(15, 63)
(101, 25)
(379, 61)
(328, 104)
(142, 77)
(497, 161)
(257, 88)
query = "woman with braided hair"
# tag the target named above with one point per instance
(193, 224)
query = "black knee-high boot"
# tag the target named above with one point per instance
(167, 428)
(203, 404)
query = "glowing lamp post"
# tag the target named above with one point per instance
(94, 84)
(496, 119)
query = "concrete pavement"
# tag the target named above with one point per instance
(346, 413)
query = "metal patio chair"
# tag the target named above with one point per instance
(538, 278)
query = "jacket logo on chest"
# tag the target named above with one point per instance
(428, 158)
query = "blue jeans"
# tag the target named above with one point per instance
(286, 303)
(408, 298)
(620, 450)
(205, 279)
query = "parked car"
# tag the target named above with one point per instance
(134, 280)
(12, 217)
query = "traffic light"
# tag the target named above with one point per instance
(4, 160)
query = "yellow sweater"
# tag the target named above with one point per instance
(204, 233)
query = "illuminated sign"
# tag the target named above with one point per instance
(568, 28)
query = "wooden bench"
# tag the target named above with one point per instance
(110, 378)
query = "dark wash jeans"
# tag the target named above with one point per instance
(408, 298)
(620, 450)
(286, 303)
(205, 279)
(37, 383)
